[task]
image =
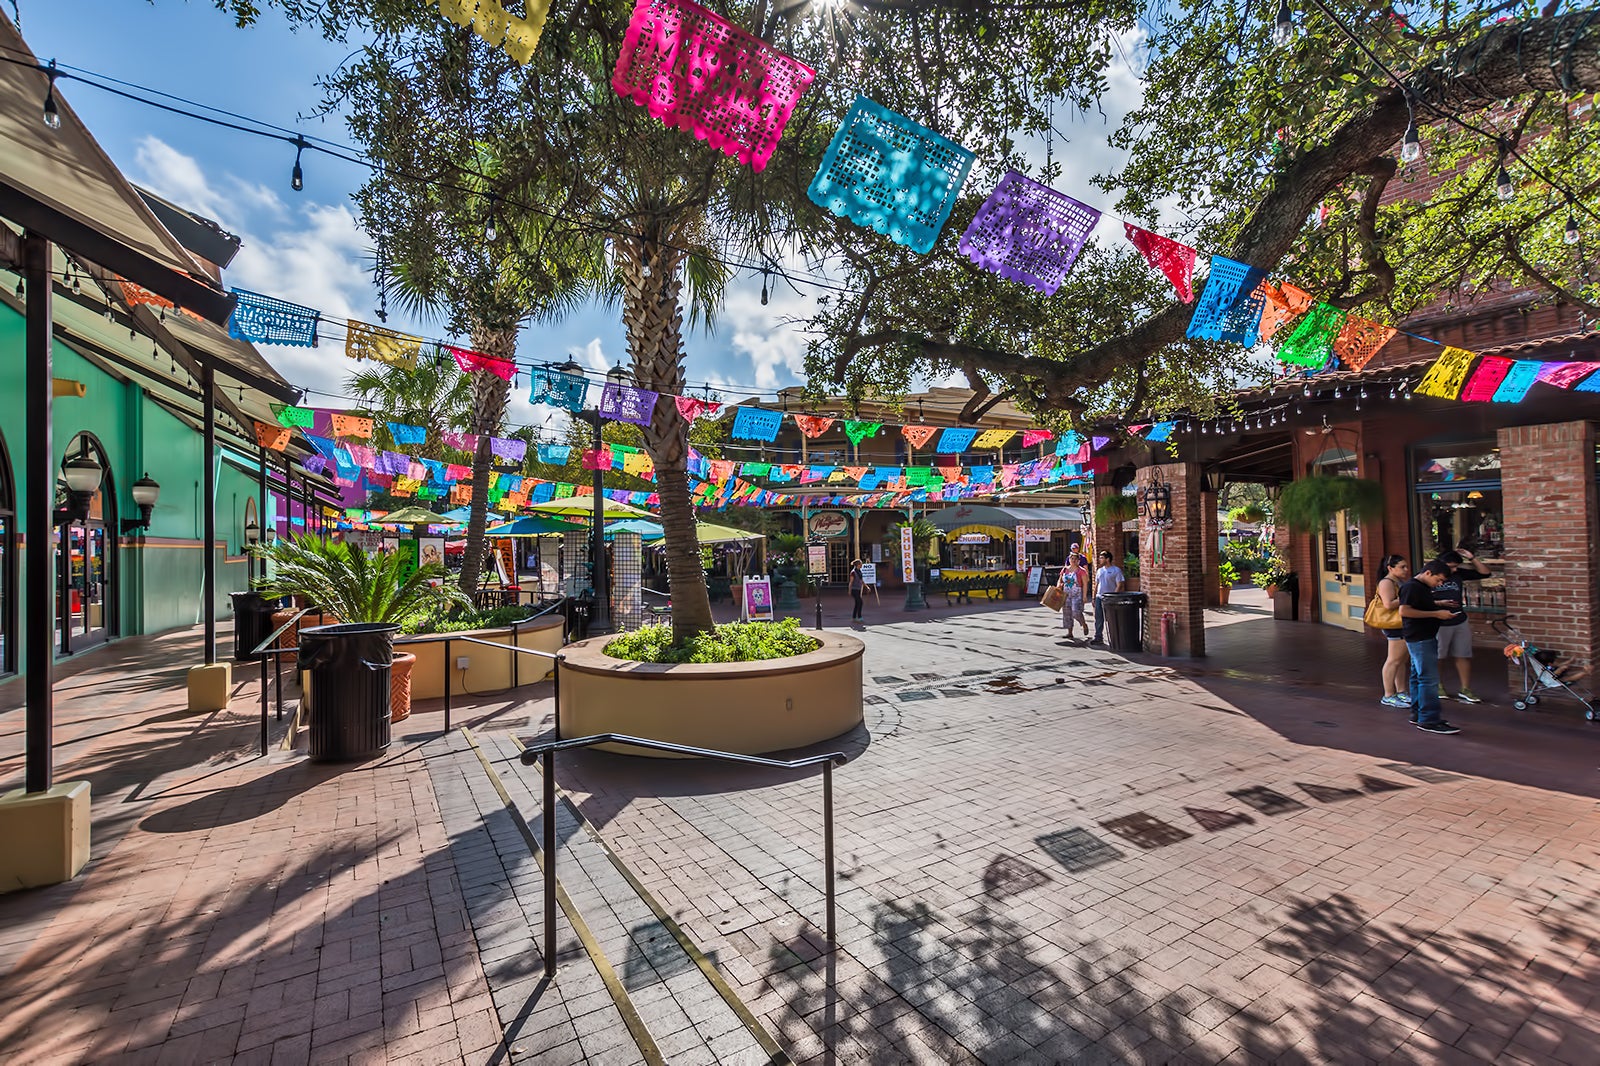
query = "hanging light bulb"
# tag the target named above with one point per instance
(1363, 392)
(490, 232)
(1571, 234)
(1308, 390)
(1502, 184)
(1392, 393)
(1338, 394)
(763, 286)
(21, 288)
(51, 114)
(297, 177)
(1283, 25)
(1411, 143)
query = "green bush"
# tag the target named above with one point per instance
(1130, 565)
(736, 642)
(1307, 504)
(494, 618)
(1227, 575)
(1114, 510)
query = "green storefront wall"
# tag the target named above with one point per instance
(157, 573)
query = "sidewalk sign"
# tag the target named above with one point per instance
(1035, 576)
(756, 599)
(817, 558)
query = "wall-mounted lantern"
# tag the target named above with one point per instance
(82, 476)
(1157, 503)
(145, 494)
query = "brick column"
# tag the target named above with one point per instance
(1103, 535)
(1210, 555)
(1177, 583)
(1547, 477)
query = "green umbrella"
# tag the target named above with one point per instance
(412, 516)
(583, 507)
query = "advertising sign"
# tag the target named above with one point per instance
(1035, 577)
(817, 558)
(408, 557)
(757, 599)
(869, 573)
(432, 550)
(828, 524)
(908, 558)
(1022, 548)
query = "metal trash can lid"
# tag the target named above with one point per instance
(1126, 599)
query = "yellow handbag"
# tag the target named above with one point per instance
(1380, 617)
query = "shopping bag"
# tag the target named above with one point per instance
(1053, 598)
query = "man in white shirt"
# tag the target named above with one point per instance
(1108, 578)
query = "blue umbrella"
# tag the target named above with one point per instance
(464, 514)
(532, 525)
(642, 526)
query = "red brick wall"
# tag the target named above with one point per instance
(1547, 475)
(1177, 583)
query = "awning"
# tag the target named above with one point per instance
(1006, 518)
(60, 184)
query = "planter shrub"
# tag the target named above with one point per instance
(736, 642)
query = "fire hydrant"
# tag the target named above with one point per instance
(1169, 631)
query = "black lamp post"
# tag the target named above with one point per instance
(145, 494)
(600, 623)
(252, 537)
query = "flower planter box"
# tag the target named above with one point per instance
(746, 708)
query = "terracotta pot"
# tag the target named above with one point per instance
(289, 638)
(1272, 590)
(1130, 584)
(400, 686)
(1222, 595)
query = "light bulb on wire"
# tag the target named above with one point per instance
(1411, 143)
(1502, 185)
(51, 114)
(297, 177)
(1283, 25)
(1572, 234)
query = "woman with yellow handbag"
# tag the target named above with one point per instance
(1383, 613)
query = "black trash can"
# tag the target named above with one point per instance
(348, 688)
(1123, 611)
(252, 623)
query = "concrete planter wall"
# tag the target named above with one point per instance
(489, 670)
(747, 708)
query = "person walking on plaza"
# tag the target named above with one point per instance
(1396, 668)
(1420, 617)
(1107, 579)
(1072, 582)
(858, 585)
(1455, 636)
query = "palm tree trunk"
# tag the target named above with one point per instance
(653, 317)
(490, 393)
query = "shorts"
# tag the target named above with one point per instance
(1393, 634)
(1455, 642)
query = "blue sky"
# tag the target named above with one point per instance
(306, 246)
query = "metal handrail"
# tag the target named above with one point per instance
(448, 639)
(545, 754)
(266, 648)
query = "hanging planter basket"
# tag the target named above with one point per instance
(1309, 503)
(1115, 510)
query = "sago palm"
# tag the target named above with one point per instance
(354, 586)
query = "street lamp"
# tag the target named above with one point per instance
(145, 494)
(600, 615)
(82, 475)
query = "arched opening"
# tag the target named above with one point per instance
(8, 563)
(86, 547)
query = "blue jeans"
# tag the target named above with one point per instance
(1424, 679)
(1099, 618)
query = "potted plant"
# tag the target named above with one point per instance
(1226, 576)
(1014, 586)
(357, 587)
(1115, 510)
(1270, 576)
(1130, 572)
(1308, 504)
(1250, 514)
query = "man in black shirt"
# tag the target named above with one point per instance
(1420, 617)
(1455, 636)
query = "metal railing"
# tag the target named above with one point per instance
(268, 647)
(447, 639)
(545, 755)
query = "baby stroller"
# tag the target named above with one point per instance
(1539, 670)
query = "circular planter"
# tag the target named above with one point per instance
(400, 686)
(745, 708)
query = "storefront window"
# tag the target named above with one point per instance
(1459, 504)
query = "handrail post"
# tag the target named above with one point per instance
(447, 665)
(555, 672)
(827, 839)
(263, 705)
(277, 681)
(550, 864)
(516, 660)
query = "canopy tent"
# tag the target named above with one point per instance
(534, 525)
(583, 507)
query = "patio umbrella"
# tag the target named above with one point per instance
(462, 515)
(533, 525)
(643, 526)
(412, 516)
(583, 507)
(711, 533)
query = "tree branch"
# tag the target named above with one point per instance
(1514, 254)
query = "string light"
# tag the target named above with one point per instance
(1283, 25)
(763, 286)
(51, 114)
(1503, 187)
(1411, 143)
(491, 232)
(297, 177)
(1572, 233)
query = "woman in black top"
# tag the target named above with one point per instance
(857, 585)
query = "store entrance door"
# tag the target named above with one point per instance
(1344, 590)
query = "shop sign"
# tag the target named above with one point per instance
(973, 538)
(908, 560)
(828, 523)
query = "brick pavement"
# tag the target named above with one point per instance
(1046, 853)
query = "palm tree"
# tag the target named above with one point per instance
(352, 585)
(432, 395)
